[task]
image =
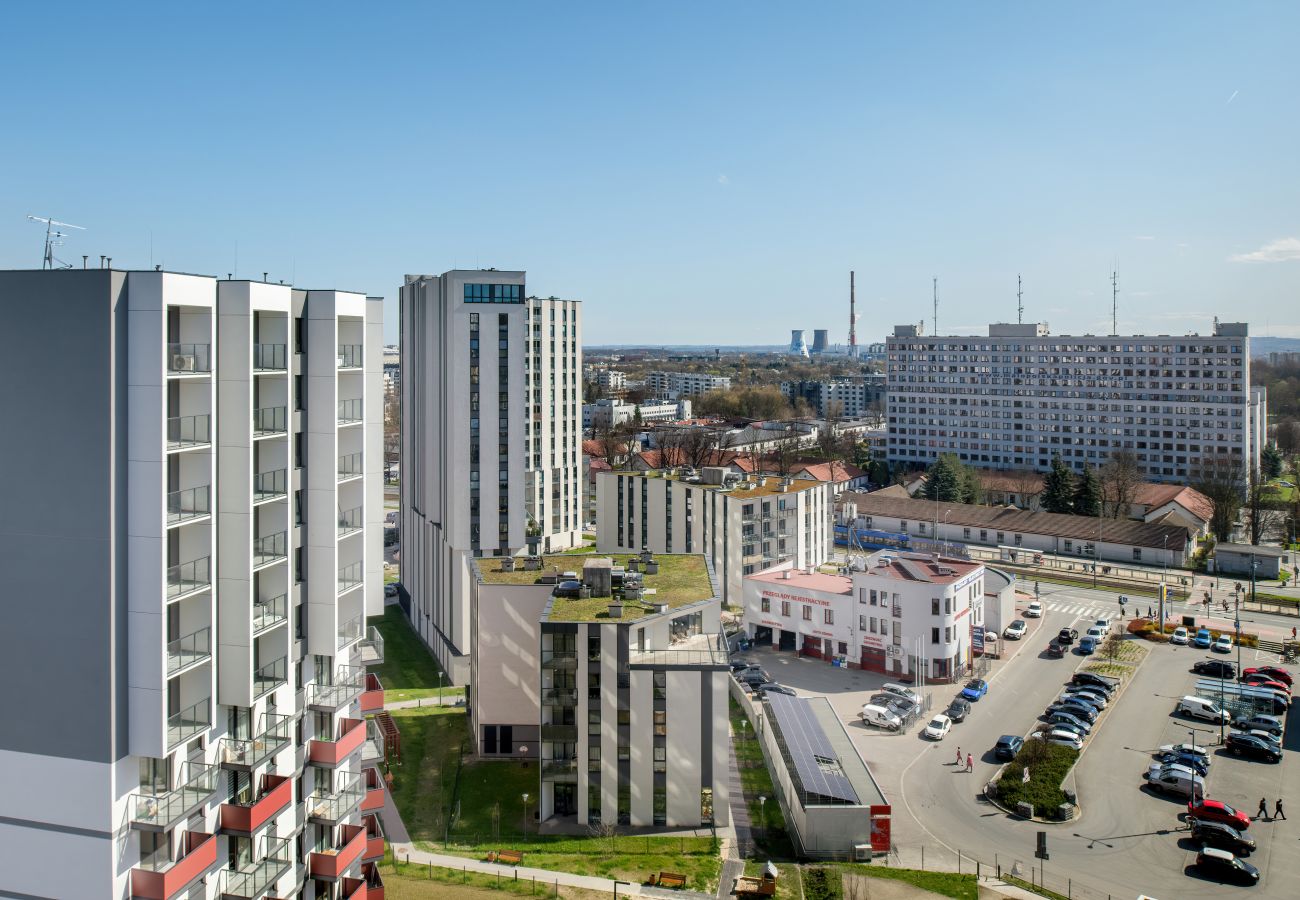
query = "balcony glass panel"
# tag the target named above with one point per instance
(350, 356)
(189, 722)
(271, 548)
(559, 659)
(349, 577)
(349, 411)
(255, 879)
(268, 613)
(564, 766)
(188, 431)
(253, 752)
(270, 676)
(193, 647)
(269, 485)
(196, 784)
(269, 357)
(270, 420)
(372, 648)
(191, 576)
(347, 685)
(187, 359)
(336, 805)
(560, 696)
(350, 521)
(351, 631)
(188, 504)
(349, 466)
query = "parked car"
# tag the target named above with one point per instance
(1089, 691)
(1253, 746)
(902, 691)
(1016, 630)
(1225, 837)
(1223, 644)
(1097, 703)
(1218, 811)
(1278, 673)
(1200, 708)
(1059, 736)
(1096, 633)
(1079, 710)
(1202, 638)
(938, 728)
(1034, 610)
(1263, 678)
(1055, 650)
(1177, 780)
(1179, 636)
(974, 689)
(1069, 723)
(1198, 764)
(959, 709)
(740, 665)
(1105, 682)
(390, 589)
(1223, 866)
(1184, 748)
(1068, 635)
(1008, 746)
(895, 704)
(880, 716)
(1088, 645)
(1271, 724)
(773, 687)
(753, 677)
(1215, 668)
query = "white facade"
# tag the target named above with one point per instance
(611, 380)
(1021, 396)
(608, 412)
(553, 433)
(676, 384)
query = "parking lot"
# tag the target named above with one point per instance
(1126, 840)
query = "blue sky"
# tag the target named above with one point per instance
(694, 172)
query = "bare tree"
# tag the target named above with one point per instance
(669, 440)
(615, 444)
(1025, 482)
(1121, 475)
(1262, 514)
(1220, 480)
(698, 446)
(785, 451)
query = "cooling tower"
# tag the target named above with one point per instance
(820, 342)
(798, 346)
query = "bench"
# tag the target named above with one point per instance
(506, 857)
(668, 880)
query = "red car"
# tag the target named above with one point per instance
(1218, 811)
(1263, 681)
(1277, 673)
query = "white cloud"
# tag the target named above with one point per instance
(1281, 250)
(1233, 97)
(724, 180)
(1144, 237)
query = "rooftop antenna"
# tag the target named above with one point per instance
(54, 236)
(1020, 302)
(853, 319)
(1114, 302)
(936, 304)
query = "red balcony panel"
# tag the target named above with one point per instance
(352, 843)
(198, 854)
(277, 791)
(352, 732)
(374, 839)
(374, 786)
(372, 699)
(374, 884)
(353, 889)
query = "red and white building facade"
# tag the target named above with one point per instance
(901, 614)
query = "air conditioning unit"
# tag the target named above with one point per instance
(862, 852)
(182, 363)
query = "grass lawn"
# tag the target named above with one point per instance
(756, 781)
(946, 884)
(422, 784)
(411, 881)
(409, 671)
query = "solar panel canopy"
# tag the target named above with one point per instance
(805, 741)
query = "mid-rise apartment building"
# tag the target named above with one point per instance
(553, 433)
(611, 380)
(742, 525)
(202, 516)
(847, 398)
(616, 690)
(690, 384)
(1020, 396)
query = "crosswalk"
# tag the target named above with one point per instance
(1081, 608)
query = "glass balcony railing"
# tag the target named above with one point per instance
(197, 782)
(349, 412)
(189, 359)
(349, 682)
(269, 677)
(269, 357)
(331, 807)
(270, 420)
(350, 521)
(189, 577)
(560, 696)
(560, 732)
(559, 659)
(188, 431)
(252, 752)
(351, 631)
(349, 577)
(564, 766)
(271, 548)
(270, 485)
(350, 466)
(269, 613)
(372, 648)
(193, 647)
(191, 503)
(350, 356)
(189, 722)
(254, 880)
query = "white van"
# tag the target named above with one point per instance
(1200, 708)
(899, 690)
(1179, 781)
(880, 717)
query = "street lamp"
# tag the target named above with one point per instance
(440, 676)
(525, 814)
(762, 810)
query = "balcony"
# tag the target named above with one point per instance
(349, 412)
(374, 884)
(188, 722)
(184, 432)
(189, 359)
(246, 817)
(271, 485)
(372, 698)
(270, 549)
(374, 839)
(245, 755)
(372, 783)
(350, 356)
(270, 357)
(350, 467)
(194, 648)
(353, 889)
(330, 808)
(560, 659)
(566, 733)
(351, 631)
(560, 696)
(270, 420)
(189, 577)
(347, 686)
(187, 505)
(330, 753)
(254, 881)
(699, 650)
(159, 812)
(330, 863)
(373, 749)
(269, 613)
(372, 647)
(165, 880)
(349, 577)
(350, 521)
(269, 677)
(560, 768)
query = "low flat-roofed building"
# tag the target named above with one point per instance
(1238, 559)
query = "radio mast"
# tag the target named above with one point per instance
(53, 238)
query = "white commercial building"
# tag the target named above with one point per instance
(677, 384)
(897, 613)
(217, 446)
(553, 434)
(742, 525)
(609, 412)
(1021, 396)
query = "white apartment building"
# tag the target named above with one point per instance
(621, 697)
(611, 380)
(741, 526)
(217, 445)
(608, 412)
(691, 384)
(1020, 396)
(898, 613)
(852, 398)
(553, 430)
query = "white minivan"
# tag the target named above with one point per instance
(1200, 708)
(880, 717)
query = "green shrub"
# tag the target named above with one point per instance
(1048, 765)
(821, 884)
(1156, 637)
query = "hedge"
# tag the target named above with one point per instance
(1048, 766)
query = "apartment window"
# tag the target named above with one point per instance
(593, 722)
(934, 606)
(660, 685)
(1137, 554)
(765, 604)
(297, 563)
(489, 739)
(862, 623)
(785, 608)
(299, 335)
(298, 511)
(873, 598)
(299, 439)
(661, 722)
(934, 635)
(299, 392)
(593, 757)
(661, 759)
(828, 616)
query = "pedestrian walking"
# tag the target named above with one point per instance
(959, 756)
(1293, 632)
(1277, 809)
(1263, 809)
(970, 764)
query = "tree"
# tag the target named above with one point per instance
(1270, 461)
(1120, 477)
(1262, 513)
(1087, 493)
(971, 489)
(1219, 479)
(785, 452)
(1287, 435)
(1058, 488)
(615, 444)
(944, 481)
